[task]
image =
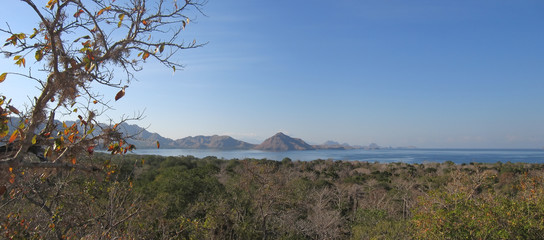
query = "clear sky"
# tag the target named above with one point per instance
(425, 73)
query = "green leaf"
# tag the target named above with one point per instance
(39, 55)
(4, 130)
(161, 48)
(58, 143)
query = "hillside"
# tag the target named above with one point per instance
(213, 142)
(282, 142)
(142, 139)
(145, 139)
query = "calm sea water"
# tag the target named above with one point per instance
(386, 155)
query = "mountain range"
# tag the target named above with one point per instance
(142, 138)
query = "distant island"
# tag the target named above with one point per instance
(279, 142)
(143, 139)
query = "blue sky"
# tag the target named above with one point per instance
(425, 73)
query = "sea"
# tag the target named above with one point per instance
(458, 156)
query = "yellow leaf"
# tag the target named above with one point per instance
(34, 34)
(3, 77)
(47, 152)
(34, 140)
(120, 20)
(102, 10)
(64, 125)
(51, 4)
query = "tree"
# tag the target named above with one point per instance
(80, 44)
(468, 207)
(77, 45)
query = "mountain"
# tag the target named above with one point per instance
(213, 142)
(333, 145)
(142, 138)
(282, 142)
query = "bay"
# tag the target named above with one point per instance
(458, 156)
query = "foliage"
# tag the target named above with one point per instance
(75, 47)
(378, 224)
(64, 204)
(79, 45)
(464, 213)
(154, 197)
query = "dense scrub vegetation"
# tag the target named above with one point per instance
(153, 197)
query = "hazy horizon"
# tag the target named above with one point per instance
(431, 74)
